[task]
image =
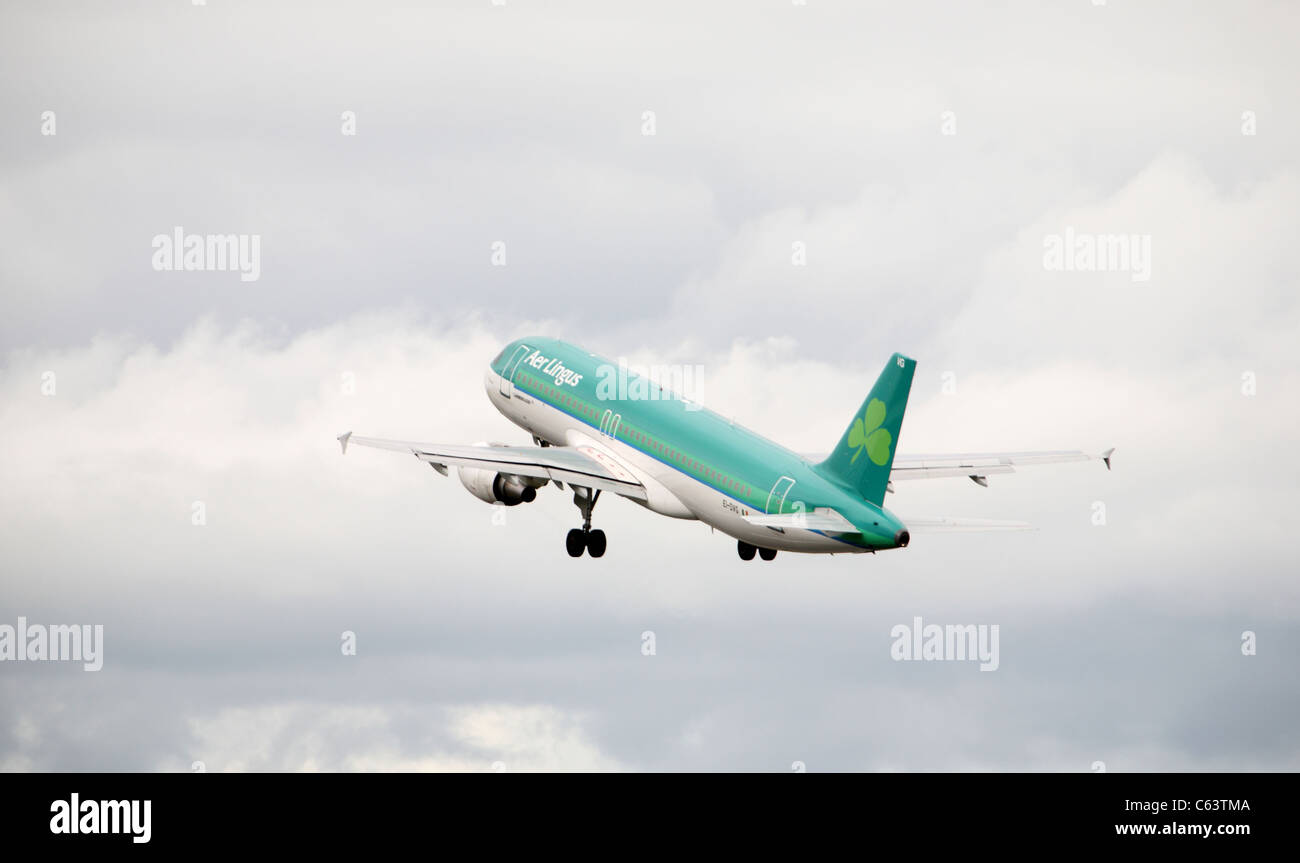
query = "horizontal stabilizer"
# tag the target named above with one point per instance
(822, 518)
(962, 525)
(983, 464)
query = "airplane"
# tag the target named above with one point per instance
(639, 441)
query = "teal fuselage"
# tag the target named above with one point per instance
(720, 468)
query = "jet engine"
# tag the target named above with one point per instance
(492, 487)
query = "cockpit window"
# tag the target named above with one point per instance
(500, 356)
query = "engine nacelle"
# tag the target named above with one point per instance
(492, 487)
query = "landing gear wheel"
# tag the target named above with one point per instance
(593, 541)
(767, 553)
(576, 541)
(745, 550)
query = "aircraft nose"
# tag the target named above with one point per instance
(902, 538)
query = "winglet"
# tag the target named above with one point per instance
(343, 440)
(1106, 457)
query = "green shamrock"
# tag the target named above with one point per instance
(867, 434)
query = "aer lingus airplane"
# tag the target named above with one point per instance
(677, 459)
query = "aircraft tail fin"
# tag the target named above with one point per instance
(865, 454)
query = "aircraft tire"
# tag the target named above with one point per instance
(575, 542)
(596, 543)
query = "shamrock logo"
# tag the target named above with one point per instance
(866, 434)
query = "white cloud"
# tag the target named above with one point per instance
(313, 737)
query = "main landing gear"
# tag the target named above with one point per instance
(746, 551)
(586, 539)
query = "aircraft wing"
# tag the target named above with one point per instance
(583, 466)
(978, 466)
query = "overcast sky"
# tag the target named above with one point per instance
(826, 184)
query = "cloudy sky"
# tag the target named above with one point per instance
(825, 184)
